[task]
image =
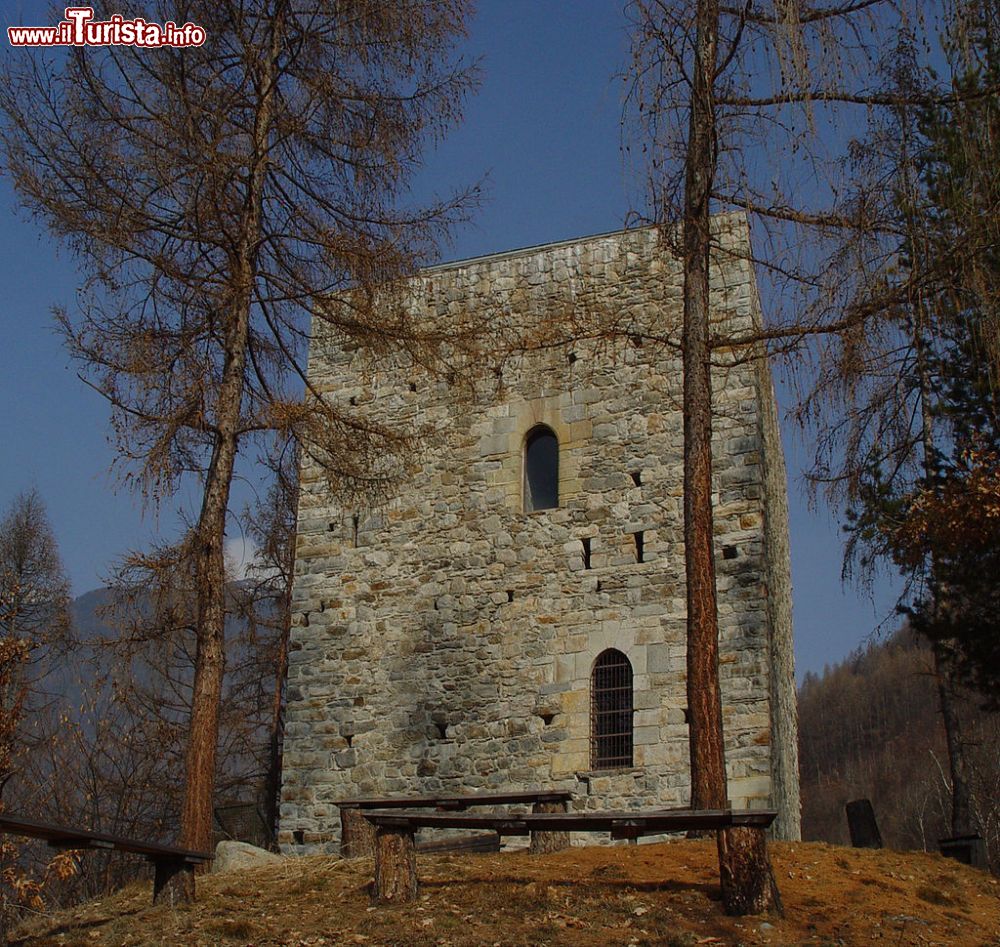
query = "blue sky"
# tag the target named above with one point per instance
(544, 129)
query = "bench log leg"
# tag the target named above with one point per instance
(357, 834)
(544, 842)
(173, 881)
(395, 865)
(748, 884)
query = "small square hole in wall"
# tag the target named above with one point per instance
(598, 585)
(442, 729)
(510, 595)
(729, 552)
(299, 836)
(636, 476)
(640, 547)
(413, 386)
(353, 401)
(571, 358)
(585, 542)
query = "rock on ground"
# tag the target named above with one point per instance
(230, 855)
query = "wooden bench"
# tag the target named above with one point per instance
(173, 867)
(357, 836)
(395, 854)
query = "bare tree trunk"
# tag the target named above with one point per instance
(273, 779)
(210, 572)
(961, 791)
(708, 765)
(210, 576)
(747, 881)
(748, 885)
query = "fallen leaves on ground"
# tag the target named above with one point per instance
(664, 894)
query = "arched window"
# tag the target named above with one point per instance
(541, 469)
(611, 711)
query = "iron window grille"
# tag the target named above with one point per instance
(611, 711)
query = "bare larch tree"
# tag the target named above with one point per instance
(215, 197)
(745, 106)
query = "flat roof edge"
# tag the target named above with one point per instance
(553, 245)
(530, 250)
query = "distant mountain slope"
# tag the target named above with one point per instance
(85, 610)
(871, 727)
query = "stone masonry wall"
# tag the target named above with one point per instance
(444, 639)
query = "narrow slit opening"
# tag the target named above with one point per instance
(586, 552)
(637, 477)
(640, 547)
(355, 520)
(510, 595)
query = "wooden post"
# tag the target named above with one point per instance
(544, 842)
(395, 865)
(357, 834)
(748, 884)
(173, 881)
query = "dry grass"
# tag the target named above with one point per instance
(665, 894)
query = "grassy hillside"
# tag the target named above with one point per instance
(664, 894)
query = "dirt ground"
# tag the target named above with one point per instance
(663, 894)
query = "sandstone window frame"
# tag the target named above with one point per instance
(540, 469)
(612, 705)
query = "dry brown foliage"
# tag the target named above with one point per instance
(219, 198)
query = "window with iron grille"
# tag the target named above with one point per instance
(611, 711)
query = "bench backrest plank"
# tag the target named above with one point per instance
(63, 837)
(454, 801)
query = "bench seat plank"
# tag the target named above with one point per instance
(357, 837)
(395, 858)
(645, 823)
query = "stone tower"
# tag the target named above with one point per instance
(513, 616)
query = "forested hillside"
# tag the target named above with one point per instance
(871, 727)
